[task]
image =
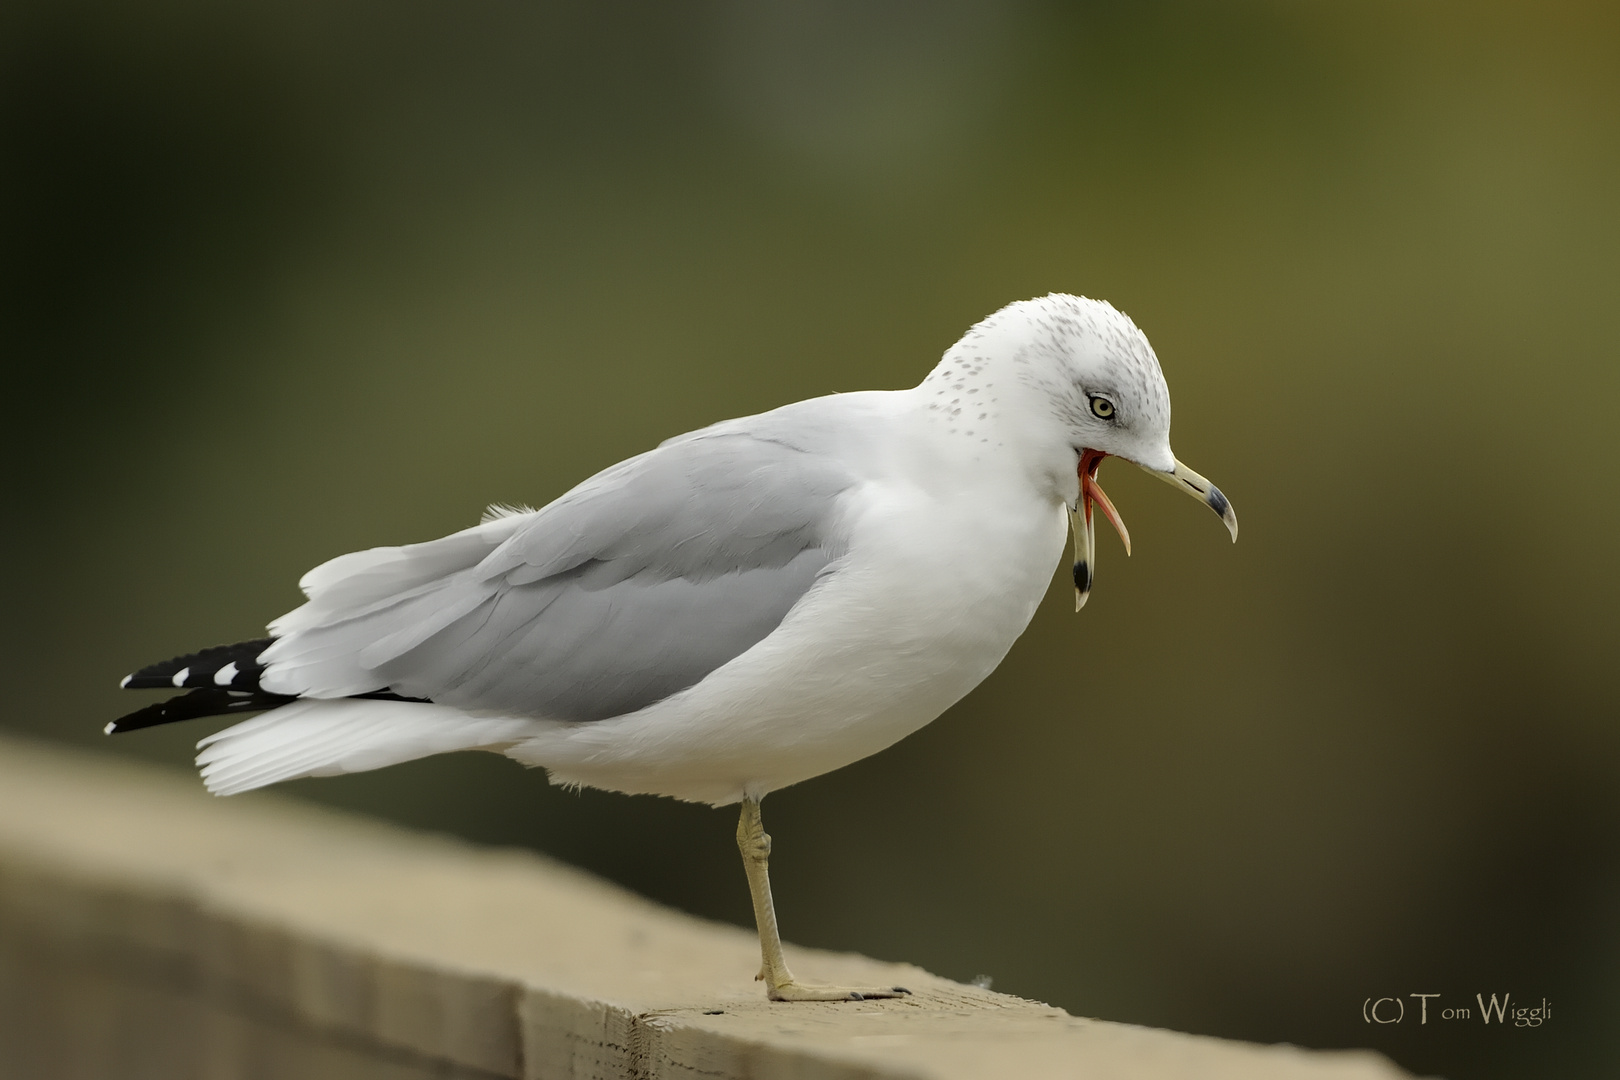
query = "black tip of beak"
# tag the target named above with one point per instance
(1082, 576)
(1217, 502)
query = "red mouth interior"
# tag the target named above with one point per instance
(1091, 493)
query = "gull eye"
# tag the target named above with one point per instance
(1101, 407)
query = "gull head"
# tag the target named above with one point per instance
(1090, 388)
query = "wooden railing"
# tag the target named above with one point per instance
(148, 930)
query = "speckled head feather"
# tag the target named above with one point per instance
(1090, 344)
(1062, 352)
(1057, 384)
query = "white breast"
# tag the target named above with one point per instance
(940, 583)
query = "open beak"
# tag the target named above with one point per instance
(1091, 495)
(1085, 537)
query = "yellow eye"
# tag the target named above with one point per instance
(1102, 408)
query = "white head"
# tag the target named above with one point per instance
(1078, 382)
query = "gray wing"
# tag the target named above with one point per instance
(629, 588)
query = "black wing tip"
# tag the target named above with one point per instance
(218, 701)
(203, 701)
(237, 662)
(220, 681)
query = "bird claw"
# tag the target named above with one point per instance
(798, 991)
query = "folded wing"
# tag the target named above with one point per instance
(631, 587)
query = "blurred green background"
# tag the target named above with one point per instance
(284, 280)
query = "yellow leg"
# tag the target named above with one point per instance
(755, 845)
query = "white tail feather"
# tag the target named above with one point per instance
(328, 737)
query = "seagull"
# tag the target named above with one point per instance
(739, 609)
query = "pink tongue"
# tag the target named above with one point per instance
(1091, 492)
